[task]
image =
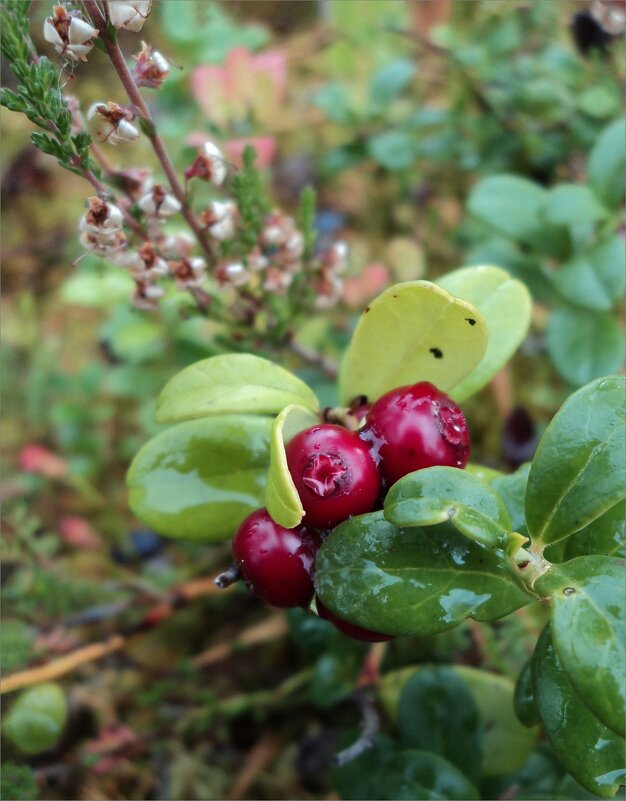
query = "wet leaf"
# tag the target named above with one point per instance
(412, 580)
(436, 712)
(36, 720)
(230, 384)
(414, 331)
(588, 749)
(505, 305)
(578, 471)
(281, 497)
(587, 622)
(200, 479)
(439, 494)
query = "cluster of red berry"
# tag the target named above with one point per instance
(339, 473)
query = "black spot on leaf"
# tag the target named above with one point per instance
(438, 354)
(471, 320)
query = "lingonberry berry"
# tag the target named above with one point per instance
(334, 474)
(414, 427)
(350, 629)
(276, 563)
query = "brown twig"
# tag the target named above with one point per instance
(370, 724)
(136, 98)
(263, 752)
(267, 630)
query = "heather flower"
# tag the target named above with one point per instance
(209, 165)
(178, 246)
(256, 261)
(108, 245)
(114, 123)
(277, 281)
(159, 202)
(144, 264)
(233, 274)
(130, 16)
(147, 295)
(188, 272)
(101, 218)
(219, 218)
(151, 68)
(70, 33)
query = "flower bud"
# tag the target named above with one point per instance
(209, 165)
(114, 123)
(151, 68)
(70, 33)
(130, 16)
(159, 202)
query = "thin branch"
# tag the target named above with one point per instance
(136, 98)
(370, 724)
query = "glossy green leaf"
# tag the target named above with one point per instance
(584, 345)
(572, 204)
(36, 720)
(594, 279)
(505, 304)
(604, 536)
(587, 622)
(482, 472)
(436, 712)
(231, 384)
(440, 494)
(523, 700)
(578, 470)
(512, 490)
(412, 580)
(506, 742)
(200, 479)
(281, 497)
(510, 205)
(605, 166)
(588, 749)
(412, 332)
(388, 773)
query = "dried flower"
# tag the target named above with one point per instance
(130, 16)
(144, 264)
(219, 218)
(328, 292)
(159, 202)
(134, 181)
(108, 245)
(209, 165)
(101, 217)
(151, 68)
(147, 295)
(178, 246)
(114, 123)
(233, 274)
(188, 272)
(256, 261)
(70, 33)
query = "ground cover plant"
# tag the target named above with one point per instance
(314, 400)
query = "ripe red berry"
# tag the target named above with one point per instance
(414, 427)
(276, 563)
(356, 632)
(334, 474)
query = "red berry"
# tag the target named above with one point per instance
(334, 474)
(356, 632)
(414, 427)
(276, 563)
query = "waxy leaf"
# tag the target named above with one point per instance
(578, 471)
(587, 622)
(604, 536)
(412, 580)
(230, 384)
(412, 332)
(512, 490)
(281, 497)
(588, 749)
(523, 699)
(440, 494)
(436, 712)
(506, 742)
(36, 720)
(505, 304)
(200, 479)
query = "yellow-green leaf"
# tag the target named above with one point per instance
(414, 331)
(230, 384)
(281, 497)
(505, 304)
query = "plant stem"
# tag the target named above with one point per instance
(134, 95)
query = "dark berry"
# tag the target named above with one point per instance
(276, 563)
(414, 427)
(356, 632)
(334, 474)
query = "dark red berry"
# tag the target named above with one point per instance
(276, 563)
(334, 474)
(414, 427)
(356, 632)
